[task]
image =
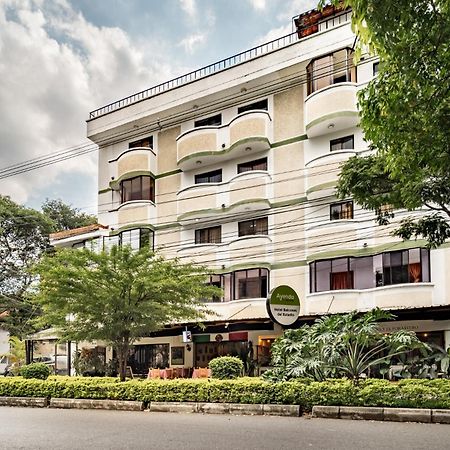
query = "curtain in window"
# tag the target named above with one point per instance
(341, 280)
(415, 272)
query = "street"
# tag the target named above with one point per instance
(28, 428)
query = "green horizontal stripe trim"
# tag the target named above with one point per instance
(168, 174)
(104, 191)
(331, 116)
(133, 226)
(368, 251)
(321, 187)
(114, 184)
(302, 137)
(220, 210)
(225, 150)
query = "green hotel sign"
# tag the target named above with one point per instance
(283, 305)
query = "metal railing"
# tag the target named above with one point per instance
(216, 67)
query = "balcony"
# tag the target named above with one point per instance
(331, 109)
(133, 212)
(132, 161)
(398, 296)
(209, 145)
(244, 193)
(245, 249)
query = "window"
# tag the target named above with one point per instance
(211, 235)
(145, 142)
(258, 164)
(334, 68)
(138, 188)
(343, 143)
(254, 226)
(375, 68)
(137, 238)
(341, 211)
(405, 266)
(262, 104)
(251, 283)
(209, 177)
(209, 121)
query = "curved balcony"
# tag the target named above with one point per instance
(135, 211)
(208, 145)
(245, 249)
(397, 296)
(331, 109)
(133, 160)
(245, 192)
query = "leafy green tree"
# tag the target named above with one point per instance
(64, 216)
(405, 115)
(117, 296)
(23, 238)
(339, 345)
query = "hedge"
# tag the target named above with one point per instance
(405, 393)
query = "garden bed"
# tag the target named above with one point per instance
(306, 393)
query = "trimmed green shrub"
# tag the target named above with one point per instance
(306, 393)
(226, 367)
(35, 370)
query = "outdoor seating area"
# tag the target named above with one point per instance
(181, 372)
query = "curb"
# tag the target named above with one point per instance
(387, 414)
(34, 402)
(118, 405)
(226, 408)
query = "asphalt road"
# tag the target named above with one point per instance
(35, 428)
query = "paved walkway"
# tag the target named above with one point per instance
(35, 428)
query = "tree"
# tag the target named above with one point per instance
(117, 296)
(23, 238)
(339, 345)
(405, 115)
(64, 216)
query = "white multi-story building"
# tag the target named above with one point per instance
(234, 166)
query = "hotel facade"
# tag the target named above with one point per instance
(234, 166)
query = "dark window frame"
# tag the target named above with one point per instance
(209, 176)
(262, 223)
(342, 212)
(207, 236)
(260, 105)
(142, 238)
(140, 142)
(313, 74)
(211, 121)
(263, 275)
(263, 279)
(379, 278)
(142, 195)
(375, 68)
(342, 143)
(250, 166)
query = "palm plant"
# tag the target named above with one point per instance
(340, 345)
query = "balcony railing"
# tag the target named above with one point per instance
(216, 67)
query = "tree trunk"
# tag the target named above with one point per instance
(122, 356)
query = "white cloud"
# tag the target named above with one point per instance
(259, 5)
(54, 68)
(189, 7)
(193, 42)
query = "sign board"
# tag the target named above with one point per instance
(283, 305)
(187, 336)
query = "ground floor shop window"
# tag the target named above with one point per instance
(143, 357)
(206, 351)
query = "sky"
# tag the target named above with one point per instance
(60, 59)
